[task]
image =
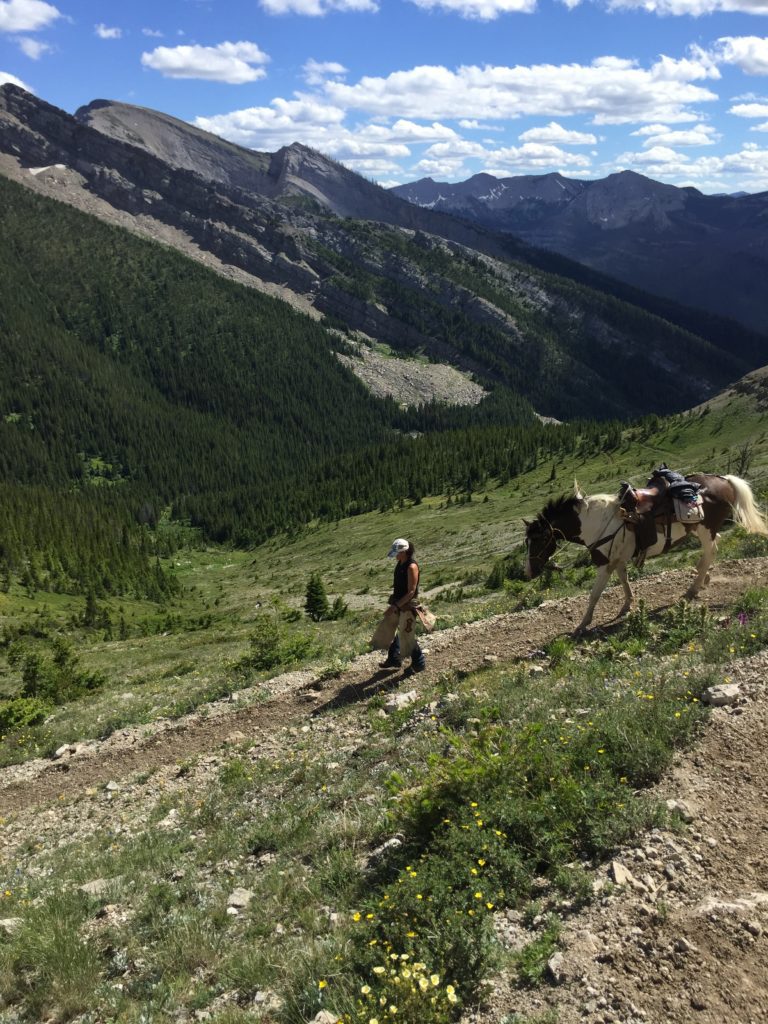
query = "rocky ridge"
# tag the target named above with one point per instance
(703, 250)
(279, 223)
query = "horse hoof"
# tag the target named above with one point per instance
(690, 595)
(624, 610)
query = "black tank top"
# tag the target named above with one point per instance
(401, 586)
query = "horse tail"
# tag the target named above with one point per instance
(746, 511)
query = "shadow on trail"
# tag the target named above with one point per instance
(379, 682)
(615, 624)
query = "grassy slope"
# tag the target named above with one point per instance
(293, 828)
(179, 665)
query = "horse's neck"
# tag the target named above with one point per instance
(596, 519)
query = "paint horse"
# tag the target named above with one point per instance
(597, 522)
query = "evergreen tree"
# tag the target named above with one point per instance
(339, 608)
(316, 601)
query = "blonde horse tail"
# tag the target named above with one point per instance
(746, 512)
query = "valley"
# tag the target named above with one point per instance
(233, 375)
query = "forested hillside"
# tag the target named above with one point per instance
(570, 341)
(136, 381)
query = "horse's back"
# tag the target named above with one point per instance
(714, 488)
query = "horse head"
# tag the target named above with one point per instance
(559, 520)
(540, 541)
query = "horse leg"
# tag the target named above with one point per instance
(621, 572)
(597, 588)
(708, 552)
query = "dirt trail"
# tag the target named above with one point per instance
(460, 649)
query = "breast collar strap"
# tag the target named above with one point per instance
(598, 557)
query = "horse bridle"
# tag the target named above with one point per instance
(553, 533)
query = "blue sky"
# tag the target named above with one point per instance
(403, 89)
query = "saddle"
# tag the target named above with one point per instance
(667, 498)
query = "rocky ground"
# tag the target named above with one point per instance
(411, 382)
(678, 930)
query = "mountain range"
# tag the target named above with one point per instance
(306, 229)
(702, 250)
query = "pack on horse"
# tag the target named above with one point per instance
(614, 528)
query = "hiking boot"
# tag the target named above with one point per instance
(390, 663)
(412, 670)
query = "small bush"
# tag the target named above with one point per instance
(22, 712)
(55, 679)
(274, 644)
(532, 959)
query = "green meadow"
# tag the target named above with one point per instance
(159, 660)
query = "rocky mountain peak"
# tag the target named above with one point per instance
(175, 142)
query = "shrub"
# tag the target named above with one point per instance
(273, 644)
(55, 679)
(22, 712)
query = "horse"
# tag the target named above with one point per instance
(597, 523)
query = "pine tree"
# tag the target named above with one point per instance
(316, 601)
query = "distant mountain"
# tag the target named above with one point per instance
(700, 250)
(528, 324)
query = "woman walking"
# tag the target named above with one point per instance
(402, 603)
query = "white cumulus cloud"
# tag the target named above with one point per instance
(26, 15)
(750, 110)
(8, 79)
(309, 120)
(531, 156)
(611, 90)
(750, 53)
(692, 8)
(471, 124)
(372, 168)
(760, 127)
(555, 133)
(746, 169)
(227, 62)
(316, 72)
(662, 135)
(536, 156)
(317, 8)
(153, 33)
(105, 32)
(479, 10)
(33, 48)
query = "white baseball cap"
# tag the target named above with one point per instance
(401, 544)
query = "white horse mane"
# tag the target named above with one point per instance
(601, 500)
(594, 501)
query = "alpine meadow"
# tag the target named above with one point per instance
(241, 352)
